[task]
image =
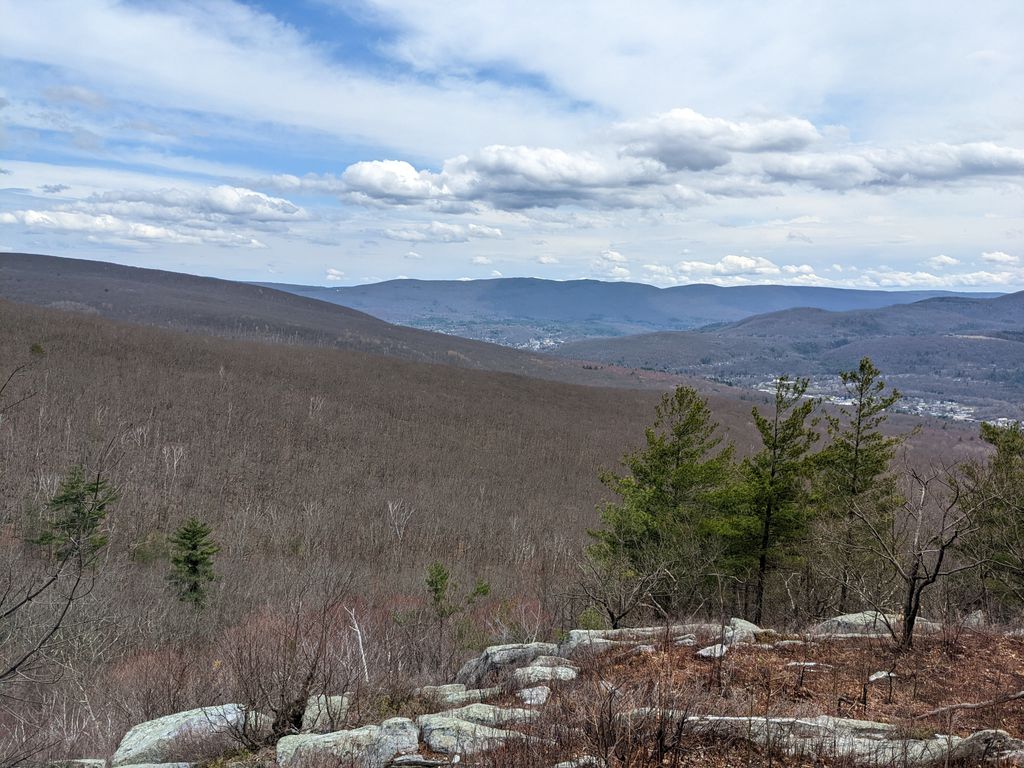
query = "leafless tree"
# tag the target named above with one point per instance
(918, 544)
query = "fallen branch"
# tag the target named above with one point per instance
(977, 705)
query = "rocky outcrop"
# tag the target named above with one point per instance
(499, 657)
(453, 736)
(536, 696)
(868, 624)
(456, 694)
(863, 742)
(192, 735)
(526, 677)
(490, 715)
(372, 746)
(325, 713)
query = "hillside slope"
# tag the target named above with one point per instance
(239, 310)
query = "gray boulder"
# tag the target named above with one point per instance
(862, 623)
(325, 713)
(372, 746)
(536, 696)
(452, 736)
(490, 715)
(716, 651)
(456, 694)
(498, 657)
(193, 735)
(527, 677)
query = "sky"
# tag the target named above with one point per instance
(338, 142)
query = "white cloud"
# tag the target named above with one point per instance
(442, 232)
(547, 259)
(220, 215)
(940, 261)
(107, 228)
(612, 265)
(334, 275)
(496, 273)
(684, 139)
(999, 257)
(481, 260)
(412, 255)
(730, 265)
(911, 166)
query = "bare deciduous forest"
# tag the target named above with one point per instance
(332, 481)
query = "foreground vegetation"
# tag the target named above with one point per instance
(368, 523)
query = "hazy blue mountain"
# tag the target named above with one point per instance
(521, 311)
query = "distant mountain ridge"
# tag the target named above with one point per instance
(516, 310)
(969, 350)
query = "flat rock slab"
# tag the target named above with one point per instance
(456, 694)
(527, 677)
(372, 746)
(490, 715)
(193, 735)
(452, 736)
(418, 761)
(864, 742)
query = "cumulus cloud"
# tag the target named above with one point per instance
(611, 264)
(733, 269)
(443, 232)
(481, 260)
(412, 255)
(730, 265)
(334, 275)
(504, 177)
(107, 228)
(220, 215)
(683, 139)
(942, 260)
(902, 167)
(394, 181)
(999, 257)
(547, 258)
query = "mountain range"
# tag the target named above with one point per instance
(542, 313)
(969, 351)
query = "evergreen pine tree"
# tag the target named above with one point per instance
(667, 496)
(192, 561)
(853, 468)
(769, 519)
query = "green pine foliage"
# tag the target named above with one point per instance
(73, 522)
(671, 481)
(192, 553)
(765, 518)
(854, 470)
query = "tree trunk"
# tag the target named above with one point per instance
(762, 565)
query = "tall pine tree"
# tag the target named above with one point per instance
(853, 468)
(770, 515)
(666, 496)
